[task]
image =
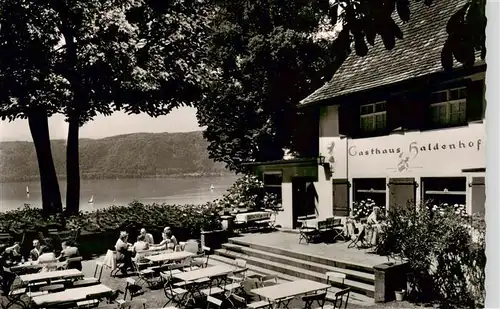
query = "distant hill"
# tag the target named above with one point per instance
(135, 155)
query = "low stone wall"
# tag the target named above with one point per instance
(389, 277)
(214, 239)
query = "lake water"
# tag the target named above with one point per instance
(108, 192)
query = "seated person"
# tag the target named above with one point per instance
(374, 225)
(47, 255)
(141, 244)
(123, 254)
(35, 252)
(148, 237)
(13, 253)
(69, 250)
(171, 241)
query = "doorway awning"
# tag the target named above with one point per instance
(474, 170)
(298, 167)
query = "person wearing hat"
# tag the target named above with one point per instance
(123, 254)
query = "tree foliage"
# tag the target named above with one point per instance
(268, 55)
(81, 58)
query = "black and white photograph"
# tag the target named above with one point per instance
(171, 154)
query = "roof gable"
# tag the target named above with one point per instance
(416, 55)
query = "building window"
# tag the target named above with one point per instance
(448, 107)
(272, 184)
(373, 189)
(446, 191)
(373, 117)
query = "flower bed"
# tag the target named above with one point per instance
(363, 208)
(247, 193)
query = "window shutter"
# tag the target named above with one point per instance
(478, 195)
(475, 100)
(401, 192)
(340, 189)
(349, 119)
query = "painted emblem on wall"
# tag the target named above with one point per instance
(331, 158)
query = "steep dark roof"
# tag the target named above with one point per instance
(416, 55)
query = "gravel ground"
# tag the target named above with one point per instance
(156, 298)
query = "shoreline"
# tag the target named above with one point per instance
(94, 177)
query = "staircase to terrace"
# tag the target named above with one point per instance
(279, 253)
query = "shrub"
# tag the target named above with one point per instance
(445, 252)
(194, 218)
(247, 193)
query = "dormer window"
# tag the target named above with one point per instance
(448, 107)
(373, 117)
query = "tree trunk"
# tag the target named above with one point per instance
(39, 128)
(73, 168)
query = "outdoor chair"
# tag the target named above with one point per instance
(359, 240)
(91, 280)
(238, 275)
(216, 285)
(214, 301)
(134, 304)
(340, 298)
(268, 280)
(318, 298)
(170, 269)
(110, 262)
(200, 260)
(235, 286)
(93, 300)
(253, 305)
(335, 225)
(146, 275)
(132, 288)
(173, 294)
(309, 234)
(334, 277)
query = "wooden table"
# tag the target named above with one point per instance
(50, 275)
(206, 272)
(280, 291)
(26, 265)
(171, 256)
(70, 295)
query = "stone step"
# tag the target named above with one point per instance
(252, 269)
(358, 287)
(334, 262)
(354, 298)
(312, 266)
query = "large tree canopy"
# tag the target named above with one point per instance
(81, 58)
(268, 55)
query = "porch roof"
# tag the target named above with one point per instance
(301, 161)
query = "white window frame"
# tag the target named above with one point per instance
(372, 115)
(449, 103)
(280, 173)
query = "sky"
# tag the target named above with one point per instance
(179, 120)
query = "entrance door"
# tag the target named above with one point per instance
(304, 198)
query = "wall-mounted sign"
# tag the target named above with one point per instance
(428, 153)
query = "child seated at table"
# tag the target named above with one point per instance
(141, 244)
